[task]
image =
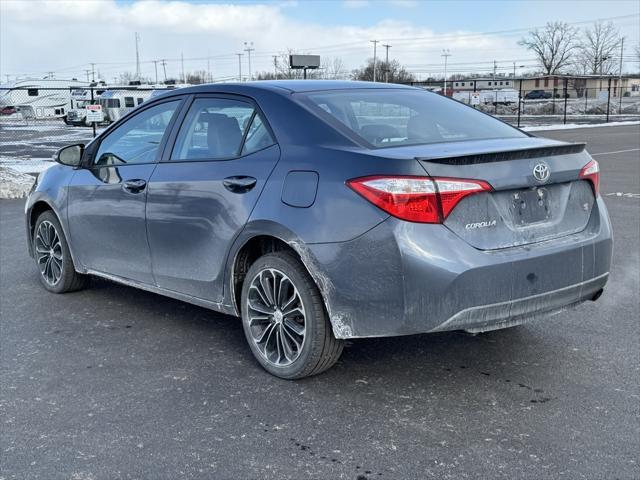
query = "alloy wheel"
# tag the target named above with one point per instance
(276, 317)
(48, 251)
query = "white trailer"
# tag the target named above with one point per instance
(39, 98)
(118, 101)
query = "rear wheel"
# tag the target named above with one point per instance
(53, 258)
(284, 318)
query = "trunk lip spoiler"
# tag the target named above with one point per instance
(506, 155)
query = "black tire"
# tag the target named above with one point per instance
(320, 350)
(69, 280)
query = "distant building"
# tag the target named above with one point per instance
(577, 85)
(583, 85)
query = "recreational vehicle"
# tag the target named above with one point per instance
(116, 102)
(39, 98)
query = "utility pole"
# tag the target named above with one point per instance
(495, 67)
(93, 72)
(275, 66)
(155, 66)
(620, 72)
(184, 79)
(163, 62)
(386, 71)
(137, 37)
(208, 68)
(248, 47)
(375, 44)
(446, 54)
(239, 66)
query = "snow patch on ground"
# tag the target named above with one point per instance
(572, 126)
(26, 164)
(14, 184)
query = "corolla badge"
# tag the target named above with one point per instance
(541, 172)
(486, 224)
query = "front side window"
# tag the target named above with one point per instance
(389, 117)
(213, 129)
(128, 102)
(138, 139)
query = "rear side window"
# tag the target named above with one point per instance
(258, 136)
(386, 118)
(214, 129)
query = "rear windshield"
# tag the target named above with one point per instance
(386, 118)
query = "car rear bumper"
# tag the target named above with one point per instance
(404, 278)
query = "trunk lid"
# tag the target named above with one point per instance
(525, 207)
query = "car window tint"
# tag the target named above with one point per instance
(391, 117)
(213, 129)
(258, 137)
(137, 140)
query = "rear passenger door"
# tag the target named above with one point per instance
(203, 191)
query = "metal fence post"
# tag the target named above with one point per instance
(519, 101)
(566, 94)
(608, 98)
(620, 93)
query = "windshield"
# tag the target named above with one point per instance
(386, 118)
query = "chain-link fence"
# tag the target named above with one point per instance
(524, 103)
(36, 121)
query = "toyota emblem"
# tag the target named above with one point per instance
(541, 172)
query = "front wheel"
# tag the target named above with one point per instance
(53, 258)
(284, 318)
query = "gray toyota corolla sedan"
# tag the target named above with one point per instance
(321, 211)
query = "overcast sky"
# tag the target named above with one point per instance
(62, 36)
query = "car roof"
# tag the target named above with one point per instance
(283, 86)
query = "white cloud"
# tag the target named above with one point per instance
(65, 36)
(356, 3)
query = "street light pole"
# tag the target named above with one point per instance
(446, 55)
(375, 44)
(239, 66)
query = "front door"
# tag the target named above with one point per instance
(200, 198)
(107, 198)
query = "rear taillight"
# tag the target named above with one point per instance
(416, 199)
(591, 172)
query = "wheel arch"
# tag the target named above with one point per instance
(264, 237)
(33, 212)
(37, 208)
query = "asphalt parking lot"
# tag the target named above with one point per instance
(116, 383)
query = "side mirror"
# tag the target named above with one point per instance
(70, 156)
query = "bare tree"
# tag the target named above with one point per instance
(333, 69)
(197, 77)
(397, 73)
(598, 50)
(554, 46)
